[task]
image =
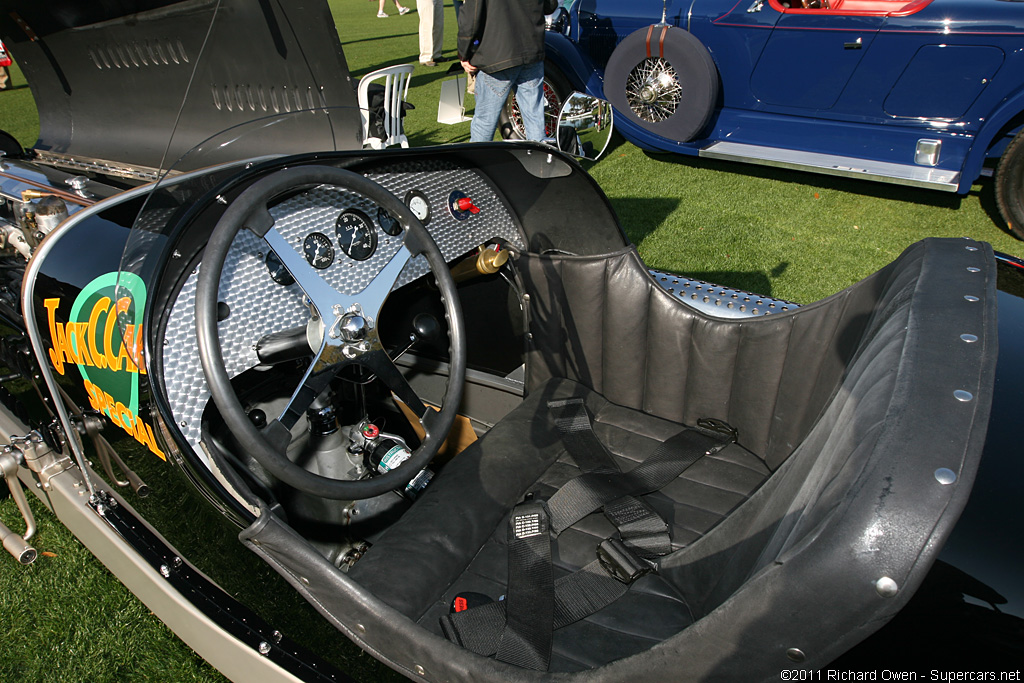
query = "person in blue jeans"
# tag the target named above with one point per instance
(502, 42)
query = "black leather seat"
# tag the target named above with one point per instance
(458, 534)
(837, 404)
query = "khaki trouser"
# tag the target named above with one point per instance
(431, 29)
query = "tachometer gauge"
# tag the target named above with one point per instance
(278, 273)
(318, 250)
(388, 224)
(356, 235)
(418, 204)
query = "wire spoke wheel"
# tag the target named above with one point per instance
(552, 105)
(653, 90)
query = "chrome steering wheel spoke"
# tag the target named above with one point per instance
(347, 332)
(343, 341)
(386, 371)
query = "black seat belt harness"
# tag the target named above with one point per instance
(520, 632)
(530, 605)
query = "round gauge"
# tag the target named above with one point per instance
(356, 235)
(278, 273)
(418, 204)
(318, 250)
(388, 224)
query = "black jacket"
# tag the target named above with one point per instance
(499, 34)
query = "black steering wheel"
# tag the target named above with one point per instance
(350, 336)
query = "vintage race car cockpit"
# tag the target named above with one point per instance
(300, 318)
(441, 395)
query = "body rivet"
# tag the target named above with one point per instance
(945, 476)
(886, 587)
(795, 654)
(962, 395)
(969, 338)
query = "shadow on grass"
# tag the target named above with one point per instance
(616, 142)
(868, 188)
(356, 74)
(374, 39)
(985, 190)
(640, 216)
(419, 77)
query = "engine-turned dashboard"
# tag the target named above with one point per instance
(348, 239)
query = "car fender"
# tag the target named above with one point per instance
(577, 69)
(1011, 107)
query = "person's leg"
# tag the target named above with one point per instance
(380, 9)
(425, 8)
(530, 98)
(438, 35)
(457, 4)
(430, 46)
(491, 93)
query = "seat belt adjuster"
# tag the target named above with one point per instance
(529, 519)
(620, 562)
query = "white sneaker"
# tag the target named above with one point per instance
(403, 11)
(382, 15)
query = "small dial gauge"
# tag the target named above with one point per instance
(318, 250)
(388, 224)
(356, 235)
(278, 273)
(418, 204)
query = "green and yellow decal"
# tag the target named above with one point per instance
(103, 338)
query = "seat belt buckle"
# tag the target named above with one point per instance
(620, 562)
(719, 427)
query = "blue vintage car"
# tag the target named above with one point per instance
(927, 93)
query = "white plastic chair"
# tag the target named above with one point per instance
(396, 87)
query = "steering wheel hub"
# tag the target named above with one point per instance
(351, 325)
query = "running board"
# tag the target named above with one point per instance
(847, 167)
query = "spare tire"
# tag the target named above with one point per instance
(663, 79)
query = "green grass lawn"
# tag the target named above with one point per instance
(787, 234)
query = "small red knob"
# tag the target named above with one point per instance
(466, 204)
(371, 431)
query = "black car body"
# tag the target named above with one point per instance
(247, 320)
